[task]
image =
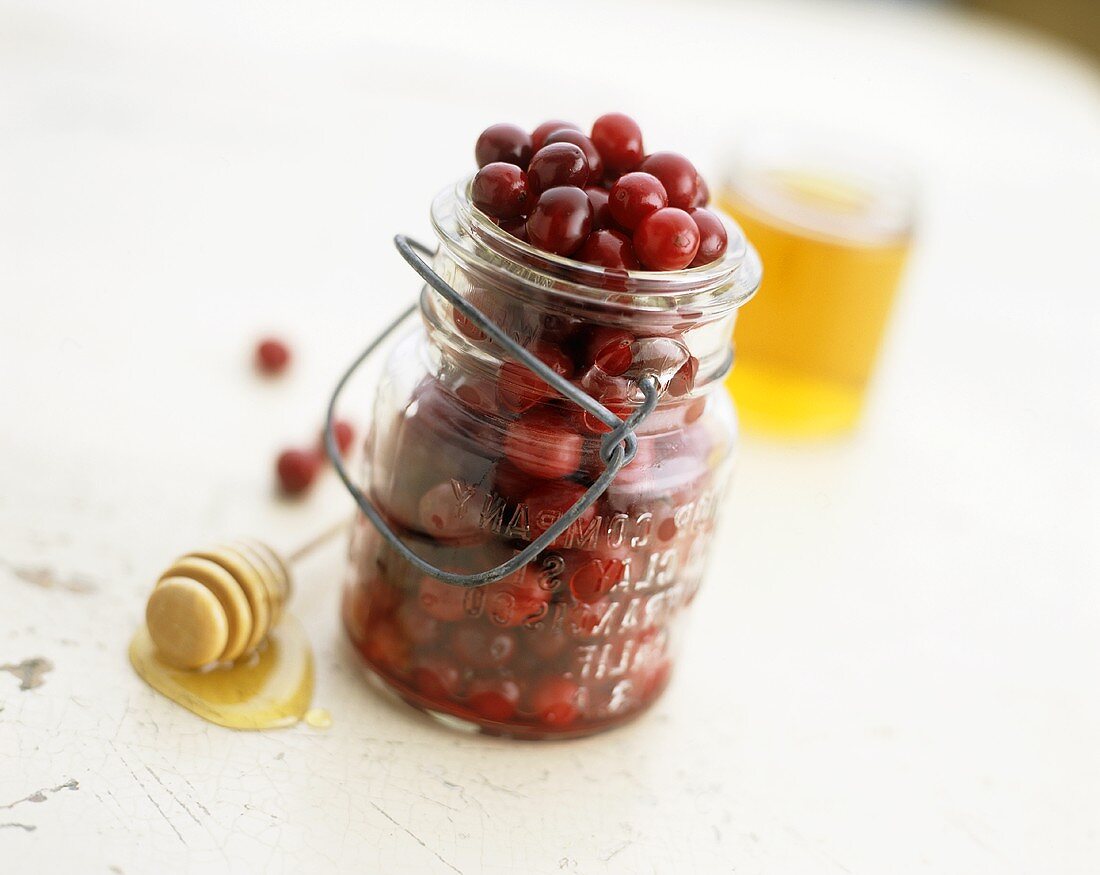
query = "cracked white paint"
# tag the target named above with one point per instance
(892, 666)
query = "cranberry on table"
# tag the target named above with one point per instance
(557, 164)
(343, 432)
(601, 212)
(677, 175)
(610, 249)
(562, 218)
(296, 470)
(591, 154)
(503, 142)
(666, 239)
(634, 196)
(555, 701)
(493, 698)
(272, 356)
(501, 191)
(713, 238)
(539, 134)
(619, 141)
(544, 444)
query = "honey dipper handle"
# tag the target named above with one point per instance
(317, 541)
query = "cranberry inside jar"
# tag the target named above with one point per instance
(470, 458)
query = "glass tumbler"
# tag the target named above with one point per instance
(832, 227)
(471, 456)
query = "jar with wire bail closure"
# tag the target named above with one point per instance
(563, 427)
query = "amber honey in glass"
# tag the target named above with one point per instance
(833, 241)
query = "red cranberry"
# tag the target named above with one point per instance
(610, 249)
(593, 425)
(494, 698)
(477, 395)
(634, 197)
(556, 701)
(595, 579)
(539, 135)
(543, 444)
(677, 175)
(441, 600)
(500, 190)
(344, 434)
(520, 389)
(503, 142)
(545, 642)
(418, 627)
(481, 646)
(561, 219)
(509, 481)
(601, 213)
(557, 164)
(297, 470)
(517, 227)
(272, 356)
(609, 349)
(592, 156)
(385, 646)
(666, 239)
(712, 237)
(447, 515)
(516, 600)
(549, 500)
(702, 193)
(619, 140)
(436, 678)
(683, 381)
(487, 304)
(695, 410)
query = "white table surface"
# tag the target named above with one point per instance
(894, 664)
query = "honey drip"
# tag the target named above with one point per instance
(269, 689)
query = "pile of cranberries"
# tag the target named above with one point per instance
(598, 198)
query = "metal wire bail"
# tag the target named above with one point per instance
(617, 448)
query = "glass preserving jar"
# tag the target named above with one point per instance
(471, 456)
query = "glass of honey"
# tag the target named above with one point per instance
(833, 228)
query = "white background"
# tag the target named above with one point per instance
(894, 664)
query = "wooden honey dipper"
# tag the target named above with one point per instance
(217, 605)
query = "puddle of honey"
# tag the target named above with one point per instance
(271, 689)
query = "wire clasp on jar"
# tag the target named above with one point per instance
(617, 448)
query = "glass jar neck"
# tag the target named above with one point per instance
(667, 312)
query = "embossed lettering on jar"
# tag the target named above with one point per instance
(471, 457)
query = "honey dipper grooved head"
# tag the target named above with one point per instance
(223, 585)
(187, 622)
(217, 605)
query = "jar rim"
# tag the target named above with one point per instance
(725, 283)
